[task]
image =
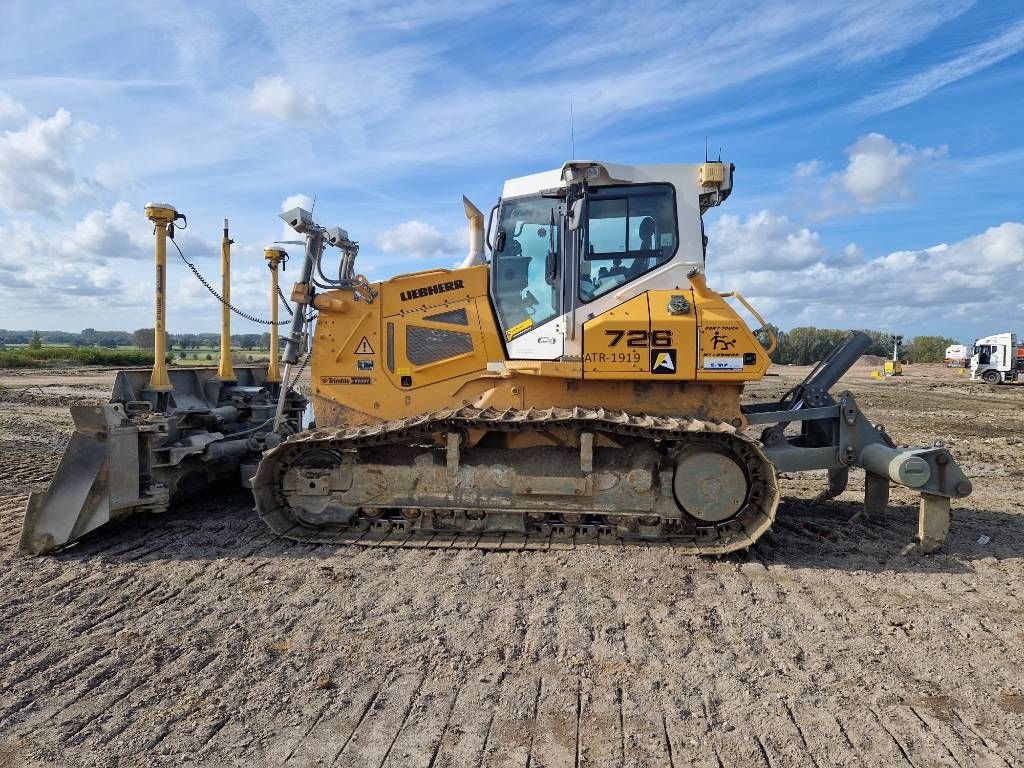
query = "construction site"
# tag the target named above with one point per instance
(553, 507)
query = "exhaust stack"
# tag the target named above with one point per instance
(476, 235)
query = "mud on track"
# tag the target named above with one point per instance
(197, 638)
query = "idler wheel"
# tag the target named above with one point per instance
(709, 485)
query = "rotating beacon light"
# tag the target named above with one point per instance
(274, 257)
(163, 217)
(225, 371)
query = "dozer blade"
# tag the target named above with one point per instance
(84, 494)
(127, 456)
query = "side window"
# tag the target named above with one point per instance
(630, 231)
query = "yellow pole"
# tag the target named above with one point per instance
(161, 215)
(225, 372)
(274, 256)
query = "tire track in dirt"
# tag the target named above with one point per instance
(74, 665)
(189, 663)
(120, 601)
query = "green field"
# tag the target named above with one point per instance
(53, 356)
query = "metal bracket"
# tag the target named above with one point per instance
(782, 416)
(453, 453)
(586, 452)
(848, 410)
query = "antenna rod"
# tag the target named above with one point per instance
(274, 257)
(163, 217)
(225, 371)
(572, 131)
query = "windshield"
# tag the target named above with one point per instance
(522, 292)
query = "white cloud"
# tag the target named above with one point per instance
(47, 270)
(852, 254)
(420, 239)
(277, 99)
(879, 168)
(11, 111)
(876, 166)
(35, 173)
(915, 88)
(100, 268)
(120, 233)
(123, 232)
(807, 169)
(964, 279)
(763, 241)
(878, 171)
(297, 201)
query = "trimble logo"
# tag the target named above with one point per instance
(430, 290)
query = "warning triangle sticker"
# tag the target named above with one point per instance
(364, 347)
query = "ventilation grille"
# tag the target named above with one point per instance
(428, 345)
(455, 317)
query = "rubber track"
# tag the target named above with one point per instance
(735, 534)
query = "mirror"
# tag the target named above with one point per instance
(490, 226)
(576, 213)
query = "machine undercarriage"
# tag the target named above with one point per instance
(603, 476)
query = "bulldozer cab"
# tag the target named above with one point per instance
(571, 243)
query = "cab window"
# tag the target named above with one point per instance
(630, 231)
(527, 245)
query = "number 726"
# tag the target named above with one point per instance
(661, 338)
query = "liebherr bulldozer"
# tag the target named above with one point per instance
(581, 384)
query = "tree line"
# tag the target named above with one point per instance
(807, 345)
(141, 338)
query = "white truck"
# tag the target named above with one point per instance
(997, 359)
(958, 356)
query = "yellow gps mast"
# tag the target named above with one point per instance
(274, 257)
(162, 215)
(225, 371)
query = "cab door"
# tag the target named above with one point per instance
(526, 278)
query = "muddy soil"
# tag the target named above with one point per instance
(198, 638)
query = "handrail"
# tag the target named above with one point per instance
(764, 326)
(439, 270)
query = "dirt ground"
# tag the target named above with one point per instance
(198, 638)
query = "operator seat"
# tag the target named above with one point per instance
(648, 239)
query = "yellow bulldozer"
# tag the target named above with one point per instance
(581, 384)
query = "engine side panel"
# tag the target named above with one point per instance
(426, 340)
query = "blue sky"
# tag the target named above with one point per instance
(878, 144)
